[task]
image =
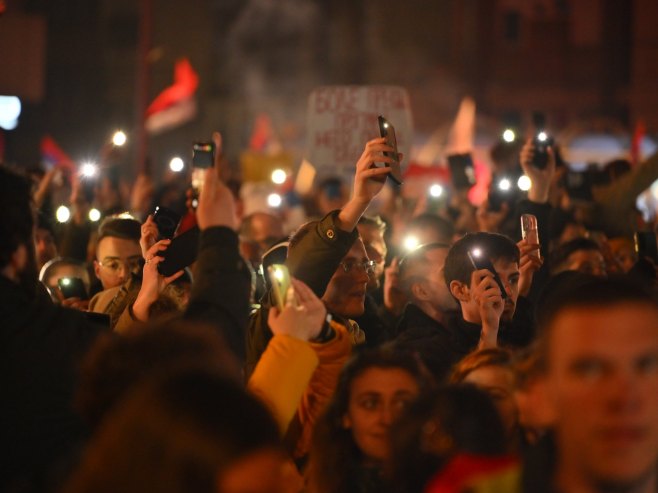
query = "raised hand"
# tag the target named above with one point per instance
(541, 178)
(302, 317)
(486, 292)
(149, 235)
(529, 263)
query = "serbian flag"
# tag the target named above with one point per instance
(53, 156)
(176, 104)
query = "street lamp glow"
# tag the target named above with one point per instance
(88, 170)
(524, 183)
(504, 184)
(436, 190)
(279, 176)
(63, 214)
(411, 243)
(509, 135)
(119, 138)
(274, 200)
(176, 164)
(94, 215)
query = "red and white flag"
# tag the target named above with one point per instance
(176, 104)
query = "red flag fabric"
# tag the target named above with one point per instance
(175, 105)
(638, 135)
(52, 155)
(262, 133)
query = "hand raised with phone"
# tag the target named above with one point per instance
(541, 179)
(303, 315)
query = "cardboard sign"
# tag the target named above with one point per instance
(341, 119)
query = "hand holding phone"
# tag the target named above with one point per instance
(203, 158)
(462, 171)
(72, 287)
(167, 222)
(480, 261)
(304, 316)
(280, 281)
(529, 232)
(387, 131)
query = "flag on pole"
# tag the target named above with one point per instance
(53, 156)
(176, 104)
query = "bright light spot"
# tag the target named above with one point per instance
(509, 135)
(88, 170)
(10, 110)
(504, 184)
(278, 273)
(476, 252)
(524, 183)
(385, 125)
(436, 190)
(66, 281)
(274, 200)
(411, 243)
(176, 164)
(279, 176)
(125, 215)
(119, 138)
(542, 137)
(94, 215)
(63, 214)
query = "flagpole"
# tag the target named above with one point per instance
(143, 82)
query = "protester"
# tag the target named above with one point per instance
(351, 439)
(582, 255)
(118, 253)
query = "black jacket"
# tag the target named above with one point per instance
(41, 346)
(433, 342)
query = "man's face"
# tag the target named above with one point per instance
(508, 271)
(373, 241)
(440, 296)
(602, 383)
(115, 259)
(587, 262)
(346, 291)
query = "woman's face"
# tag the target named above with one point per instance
(377, 397)
(498, 382)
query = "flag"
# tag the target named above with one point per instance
(176, 104)
(53, 156)
(636, 144)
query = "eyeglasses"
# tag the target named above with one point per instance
(367, 265)
(114, 265)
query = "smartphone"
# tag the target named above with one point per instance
(502, 189)
(461, 171)
(280, 280)
(203, 157)
(645, 244)
(388, 131)
(529, 231)
(72, 287)
(182, 252)
(541, 141)
(479, 261)
(167, 222)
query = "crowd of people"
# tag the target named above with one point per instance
(423, 345)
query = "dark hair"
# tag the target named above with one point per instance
(415, 261)
(561, 253)
(120, 227)
(17, 223)
(175, 434)
(495, 356)
(583, 291)
(443, 228)
(334, 456)
(115, 364)
(494, 246)
(450, 420)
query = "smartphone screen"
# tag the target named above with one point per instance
(280, 281)
(387, 131)
(203, 157)
(481, 262)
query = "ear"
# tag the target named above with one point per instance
(419, 292)
(460, 291)
(97, 269)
